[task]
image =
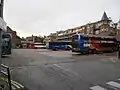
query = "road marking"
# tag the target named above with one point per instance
(97, 88)
(14, 87)
(67, 70)
(119, 79)
(114, 84)
(17, 83)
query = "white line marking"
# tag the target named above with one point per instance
(67, 70)
(14, 88)
(97, 88)
(112, 59)
(114, 84)
(118, 79)
(17, 84)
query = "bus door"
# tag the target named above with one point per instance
(75, 43)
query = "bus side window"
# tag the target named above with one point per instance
(75, 37)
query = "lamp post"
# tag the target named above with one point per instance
(1, 29)
(1, 8)
(118, 41)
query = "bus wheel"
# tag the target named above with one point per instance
(90, 51)
(94, 51)
(113, 49)
(82, 53)
(87, 52)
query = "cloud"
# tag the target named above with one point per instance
(45, 16)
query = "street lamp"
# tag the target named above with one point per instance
(1, 8)
(2, 23)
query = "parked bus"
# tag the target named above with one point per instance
(91, 44)
(80, 43)
(59, 45)
(102, 44)
(37, 46)
(6, 44)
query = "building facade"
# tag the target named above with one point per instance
(103, 27)
(16, 40)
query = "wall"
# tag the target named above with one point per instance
(16, 40)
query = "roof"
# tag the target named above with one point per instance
(105, 17)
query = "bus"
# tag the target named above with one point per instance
(102, 44)
(80, 43)
(91, 44)
(37, 45)
(6, 44)
(59, 45)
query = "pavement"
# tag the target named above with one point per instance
(40, 69)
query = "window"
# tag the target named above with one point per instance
(84, 37)
(75, 37)
(91, 31)
(105, 22)
(91, 26)
(88, 31)
(97, 26)
(97, 32)
(83, 27)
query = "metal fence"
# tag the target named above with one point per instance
(6, 73)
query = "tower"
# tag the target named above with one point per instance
(104, 23)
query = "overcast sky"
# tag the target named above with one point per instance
(41, 17)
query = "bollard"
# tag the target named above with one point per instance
(118, 52)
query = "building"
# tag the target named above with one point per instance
(34, 39)
(103, 27)
(51, 37)
(16, 40)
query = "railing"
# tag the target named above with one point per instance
(7, 74)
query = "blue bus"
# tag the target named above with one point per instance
(59, 45)
(6, 44)
(80, 43)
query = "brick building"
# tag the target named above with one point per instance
(16, 40)
(34, 39)
(102, 27)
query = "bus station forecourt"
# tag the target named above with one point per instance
(48, 69)
(59, 68)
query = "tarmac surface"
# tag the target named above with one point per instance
(41, 69)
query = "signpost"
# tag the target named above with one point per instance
(118, 40)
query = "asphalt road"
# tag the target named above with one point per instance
(40, 69)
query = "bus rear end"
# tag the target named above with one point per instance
(75, 43)
(80, 43)
(6, 44)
